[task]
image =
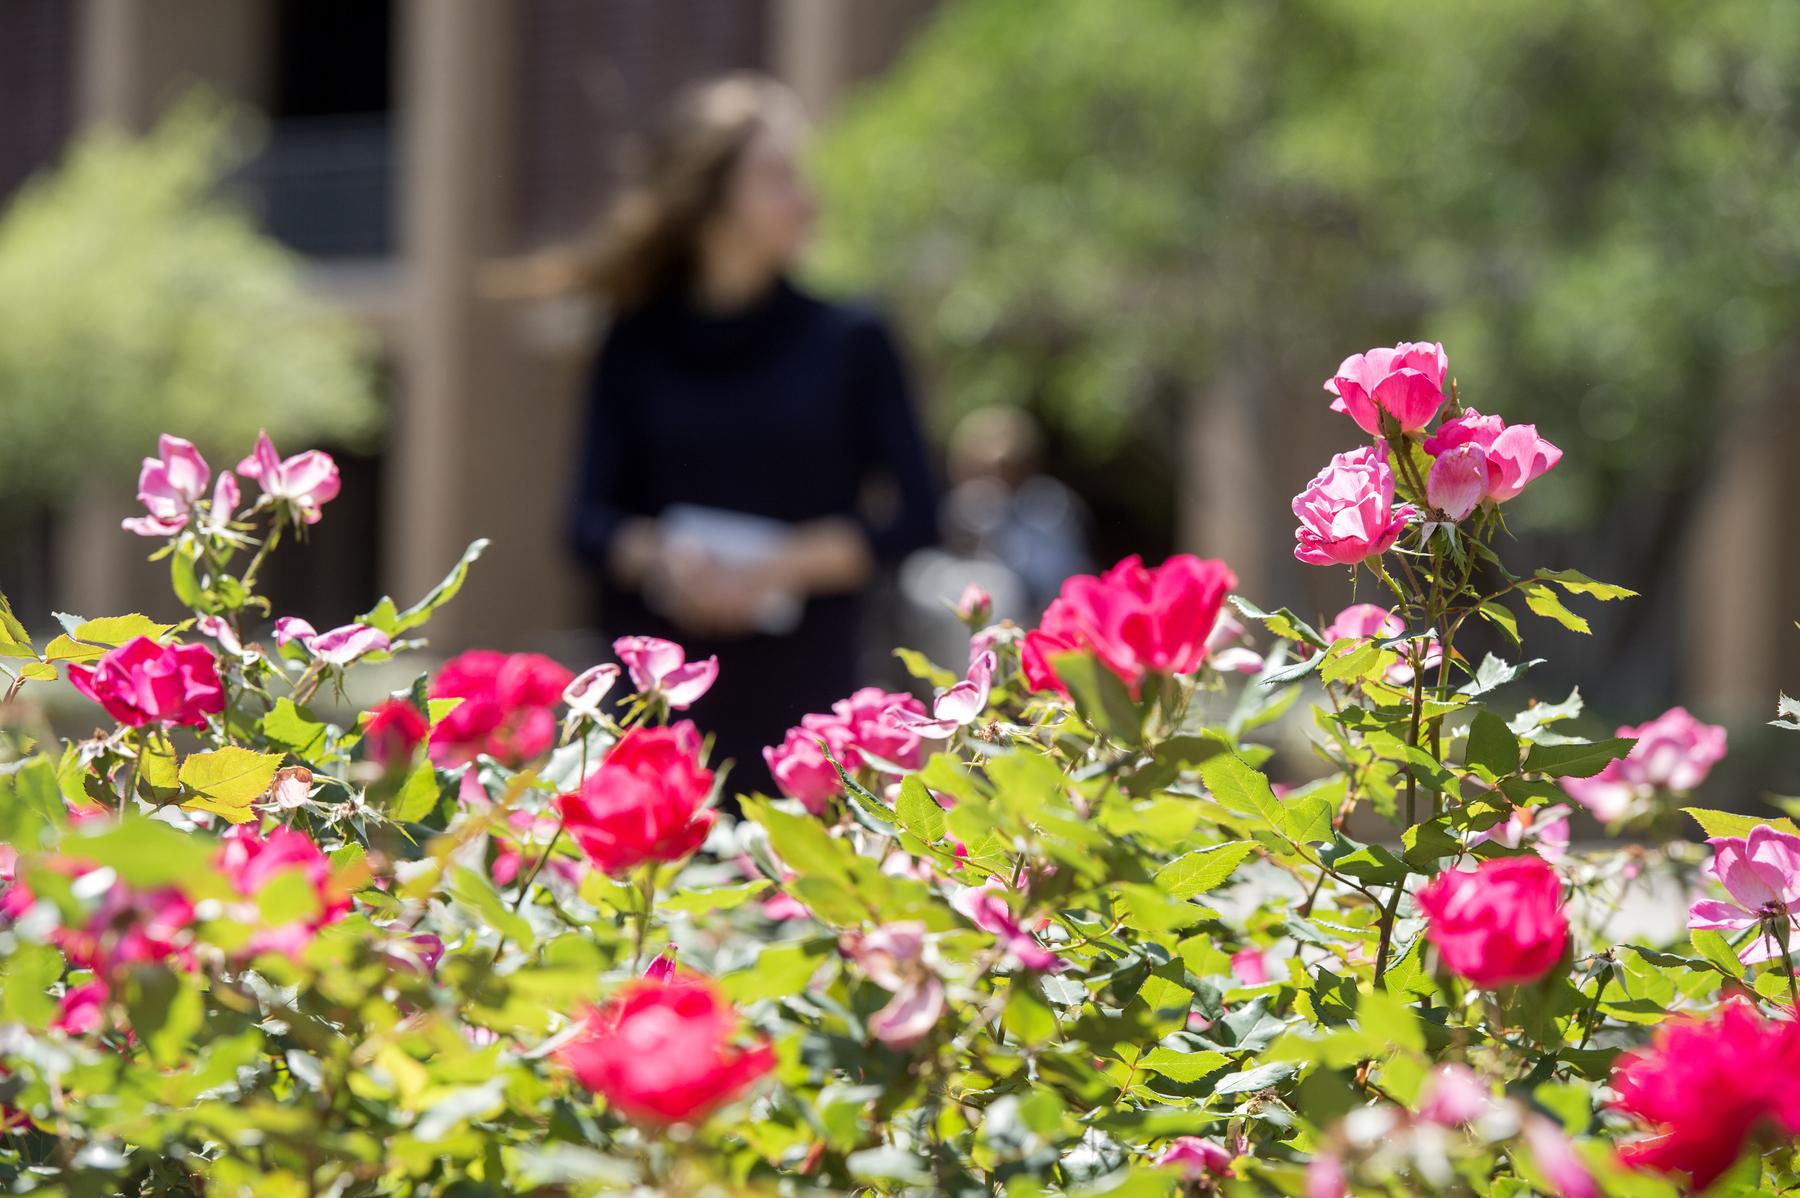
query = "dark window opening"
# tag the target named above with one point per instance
(325, 183)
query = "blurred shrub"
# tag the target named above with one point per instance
(134, 298)
(1095, 207)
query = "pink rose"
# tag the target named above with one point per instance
(1512, 456)
(1347, 513)
(252, 861)
(660, 669)
(800, 768)
(955, 706)
(1197, 1157)
(142, 682)
(976, 606)
(304, 482)
(169, 486)
(898, 958)
(338, 647)
(1458, 481)
(1454, 1094)
(392, 730)
(984, 907)
(1249, 967)
(1137, 621)
(646, 802)
(871, 716)
(1406, 382)
(1761, 872)
(1674, 753)
(1500, 924)
(583, 695)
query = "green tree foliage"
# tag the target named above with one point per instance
(135, 298)
(1095, 207)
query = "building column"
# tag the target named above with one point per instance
(454, 193)
(1735, 617)
(809, 49)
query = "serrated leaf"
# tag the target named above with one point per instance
(418, 796)
(1184, 1067)
(1544, 601)
(1203, 869)
(918, 812)
(924, 669)
(227, 781)
(1576, 759)
(1100, 697)
(113, 631)
(1577, 583)
(294, 730)
(388, 619)
(1492, 745)
(1730, 823)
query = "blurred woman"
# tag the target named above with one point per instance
(751, 454)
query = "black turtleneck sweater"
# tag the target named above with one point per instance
(793, 409)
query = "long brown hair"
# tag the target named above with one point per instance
(646, 246)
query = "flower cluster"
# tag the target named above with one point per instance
(1673, 755)
(505, 709)
(1112, 911)
(873, 729)
(1348, 513)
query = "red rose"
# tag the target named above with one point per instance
(392, 731)
(645, 802)
(1499, 924)
(1706, 1086)
(662, 1051)
(142, 682)
(1138, 621)
(507, 708)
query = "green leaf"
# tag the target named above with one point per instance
(1234, 783)
(475, 891)
(1544, 601)
(924, 669)
(1101, 698)
(287, 897)
(112, 631)
(393, 622)
(1389, 1021)
(1492, 745)
(1713, 947)
(227, 781)
(1577, 583)
(1027, 1016)
(418, 795)
(1184, 1067)
(779, 971)
(14, 640)
(1502, 617)
(148, 853)
(802, 843)
(1494, 673)
(1282, 622)
(1203, 869)
(1576, 759)
(1730, 823)
(294, 730)
(918, 812)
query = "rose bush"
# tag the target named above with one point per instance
(1055, 931)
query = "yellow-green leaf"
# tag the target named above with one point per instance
(226, 781)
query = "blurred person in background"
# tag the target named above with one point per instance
(751, 455)
(1003, 508)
